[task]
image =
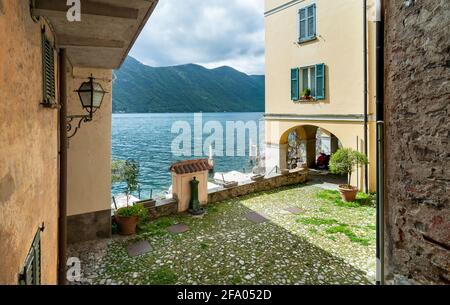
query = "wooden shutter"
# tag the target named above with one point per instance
(295, 84)
(31, 273)
(307, 23)
(48, 72)
(311, 21)
(320, 81)
(302, 25)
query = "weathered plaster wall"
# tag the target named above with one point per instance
(417, 141)
(28, 147)
(89, 162)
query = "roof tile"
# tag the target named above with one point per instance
(191, 166)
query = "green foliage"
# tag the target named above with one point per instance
(343, 229)
(333, 227)
(334, 197)
(163, 276)
(316, 221)
(307, 92)
(135, 210)
(157, 227)
(143, 89)
(114, 228)
(345, 160)
(236, 280)
(126, 171)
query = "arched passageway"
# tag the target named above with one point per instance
(308, 146)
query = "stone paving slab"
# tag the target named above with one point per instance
(138, 249)
(256, 217)
(294, 210)
(178, 228)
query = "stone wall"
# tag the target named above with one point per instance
(267, 184)
(170, 206)
(417, 107)
(163, 208)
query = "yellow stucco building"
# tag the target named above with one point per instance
(319, 45)
(52, 194)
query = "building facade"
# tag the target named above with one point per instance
(44, 58)
(319, 45)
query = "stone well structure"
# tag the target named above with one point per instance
(182, 174)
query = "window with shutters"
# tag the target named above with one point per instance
(31, 273)
(307, 23)
(48, 72)
(310, 77)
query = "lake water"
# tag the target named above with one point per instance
(147, 138)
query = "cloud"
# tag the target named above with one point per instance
(206, 32)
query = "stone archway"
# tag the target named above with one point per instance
(303, 144)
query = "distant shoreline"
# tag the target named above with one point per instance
(216, 112)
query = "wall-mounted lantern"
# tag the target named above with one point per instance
(91, 95)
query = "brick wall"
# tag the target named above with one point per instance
(417, 141)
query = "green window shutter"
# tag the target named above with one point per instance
(295, 84)
(320, 81)
(48, 72)
(31, 273)
(312, 76)
(302, 25)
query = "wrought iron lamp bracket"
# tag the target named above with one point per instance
(71, 130)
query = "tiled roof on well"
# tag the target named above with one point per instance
(191, 166)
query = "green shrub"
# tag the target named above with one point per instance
(136, 210)
(345, 160)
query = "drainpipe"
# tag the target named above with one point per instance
(366, 92)
(62, 221)
(380, 137)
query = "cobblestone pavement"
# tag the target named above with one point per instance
(330, 242)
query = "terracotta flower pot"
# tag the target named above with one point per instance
(127, 225)
(348, 194)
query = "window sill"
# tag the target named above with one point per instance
(306, 40)
(306, 100)
(50, 105)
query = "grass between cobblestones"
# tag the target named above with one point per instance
(331, 242)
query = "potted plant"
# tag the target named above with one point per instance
(127, 218)
(343, 162)
(306, 94)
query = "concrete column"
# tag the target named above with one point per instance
(311, 152)
(283, 151)
(334, 144)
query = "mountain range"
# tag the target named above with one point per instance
(138, 88)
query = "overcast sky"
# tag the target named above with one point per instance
(211, 33)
